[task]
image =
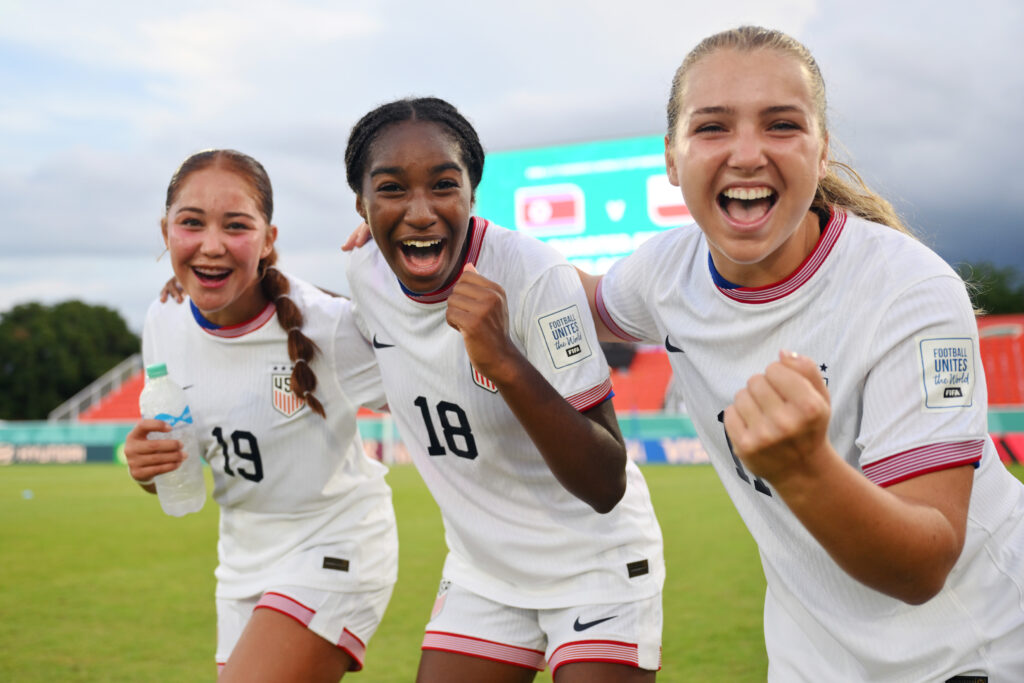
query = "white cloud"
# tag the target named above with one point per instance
(108, 97)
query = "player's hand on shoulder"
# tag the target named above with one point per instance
(778, 423)
(477, 308)
(360, 236)
(147, 457)
(172, 290)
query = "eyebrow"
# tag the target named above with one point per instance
(775, 109)
(397, 170)
(195, 209)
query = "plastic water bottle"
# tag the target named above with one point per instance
(182, 490)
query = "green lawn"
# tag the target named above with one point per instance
(96, 584)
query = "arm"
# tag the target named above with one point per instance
(147, 458)
(590, 283)
(585, 451)
(902, 540)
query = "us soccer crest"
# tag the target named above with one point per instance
(284, 401)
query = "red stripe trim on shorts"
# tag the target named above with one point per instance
(291, 607)
(483, 649)
(354, 647)
(595, 651)
(287, 606)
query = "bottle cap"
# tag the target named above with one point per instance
(158, 370)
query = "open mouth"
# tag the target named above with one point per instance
(747, 204)
(422, 256)
(211, 275)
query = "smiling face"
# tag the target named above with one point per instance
(417, 199)
(748, 152)
(216, 235)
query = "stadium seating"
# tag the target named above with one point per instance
(120, 405)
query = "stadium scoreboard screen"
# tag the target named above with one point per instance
(593, 202)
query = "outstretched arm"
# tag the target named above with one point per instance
(585, 451)
(590, 283)
(902, 540)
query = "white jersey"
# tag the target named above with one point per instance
(514, 534)
(288, 482)
(893, 331)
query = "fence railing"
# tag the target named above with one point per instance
(86, 398)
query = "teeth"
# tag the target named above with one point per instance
(210, 271)
(748, 193)
(421, 244)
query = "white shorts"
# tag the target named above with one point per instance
(346, 619)
(624, 633)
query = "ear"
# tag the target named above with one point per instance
(823, 163)
(360, 209)
(268, 244)
(163, 230)
(670, 162)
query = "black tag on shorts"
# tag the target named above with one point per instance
(336, 563)
(638, 568)
(967, 679)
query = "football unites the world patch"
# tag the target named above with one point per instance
(564, 337)
(948, 371)
(284, 401)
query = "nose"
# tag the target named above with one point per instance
(747, 151)
(420, 211)
(213, 243)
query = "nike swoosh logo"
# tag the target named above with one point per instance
(187, 386)
(380, 345)
(583, 626)
(672, 349)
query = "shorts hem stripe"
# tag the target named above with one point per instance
(483, 649)
(595, 651)
(287, 606)
(354, 647)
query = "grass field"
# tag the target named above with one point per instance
(96, 584)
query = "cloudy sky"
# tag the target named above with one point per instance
(100, 101)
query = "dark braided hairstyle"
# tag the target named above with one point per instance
(274, 284)
(432, 109)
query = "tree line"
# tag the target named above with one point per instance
(49, 353)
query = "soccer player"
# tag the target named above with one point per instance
(275, 370)
(830, 364)
(493, 373)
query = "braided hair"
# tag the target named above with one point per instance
(432, 109)
(275, 287)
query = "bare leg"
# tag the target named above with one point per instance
(450, 667)
(274, 648)
(602, 672)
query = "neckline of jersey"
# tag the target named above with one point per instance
(477, 229)
(830, 231)
(232, 331)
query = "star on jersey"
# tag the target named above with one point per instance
(824, 368)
